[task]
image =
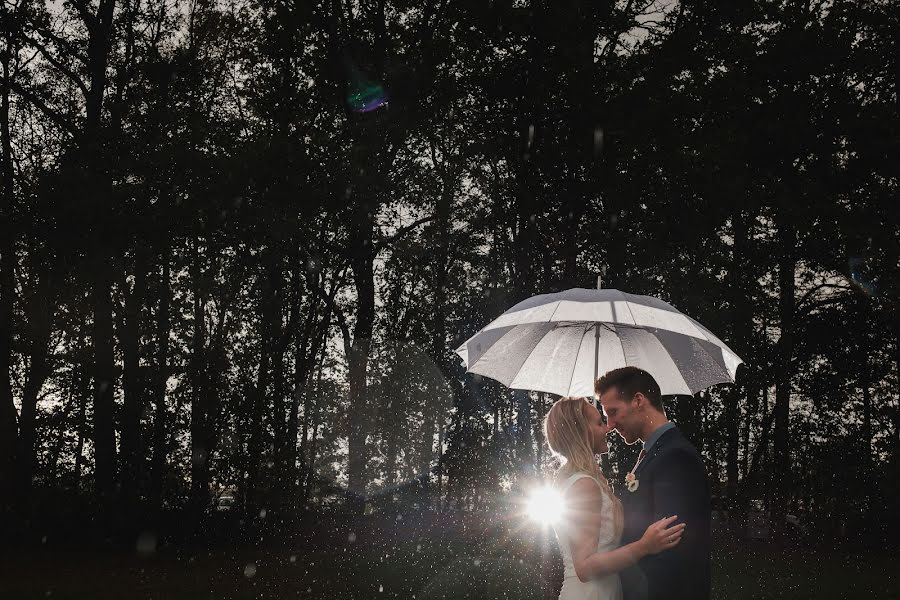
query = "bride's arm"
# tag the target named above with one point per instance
(584, 502)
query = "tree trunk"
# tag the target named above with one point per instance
(310, 460)
(523, 426)
(60, 429)
(867, 415)
(131, 382)
(897, 391)
(781, 469)
(752, 407)
(268, 315)
(577, 66)
(200, 380)
(301, 380)
(8, 414)
(281, 336)
(742, 330)
(104, 381)
(440, 268)
(440, 465)
(538, 432)
(305, 355)
(97, 188)
(84, 392)
(160, 381)
(39, 318)
(362, 264)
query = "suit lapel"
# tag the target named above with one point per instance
(664, 440)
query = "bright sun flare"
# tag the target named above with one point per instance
(545, 505)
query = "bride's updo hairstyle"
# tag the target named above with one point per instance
(567, 433)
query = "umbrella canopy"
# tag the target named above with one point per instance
(561, 343)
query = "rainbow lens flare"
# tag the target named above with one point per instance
(366, 97)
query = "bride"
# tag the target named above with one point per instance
(590, 529)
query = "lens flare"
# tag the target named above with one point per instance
(545, 505)
(363, 95)
(366, 99)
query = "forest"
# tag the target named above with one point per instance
(240, 241)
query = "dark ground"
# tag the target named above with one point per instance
(423, 557)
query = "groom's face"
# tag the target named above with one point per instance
(620, 415)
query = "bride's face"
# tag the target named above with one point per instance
(597, 427)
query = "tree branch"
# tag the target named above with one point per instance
(402, 232)
(40, 105)
(62, 43)
(86, 15)
(48, 56)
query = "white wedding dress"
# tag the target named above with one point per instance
(603, 588)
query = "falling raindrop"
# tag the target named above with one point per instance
(351, 537)
(146, 543)
(198, 456)
(598, 141)
(293, 558)
(250, 570)
(262, 513)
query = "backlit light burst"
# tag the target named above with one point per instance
(545, 505)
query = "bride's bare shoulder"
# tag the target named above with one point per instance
(584, 497)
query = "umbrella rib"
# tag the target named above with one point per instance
(622, 346)
(628, 306)
(553, 314)
(575, 365)
(700, 329)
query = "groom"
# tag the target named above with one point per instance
(668, 479)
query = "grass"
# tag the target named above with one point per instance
(406, 560)
(764, 572)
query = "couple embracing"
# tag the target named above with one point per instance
(652, 541)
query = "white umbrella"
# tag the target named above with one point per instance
(561, 343)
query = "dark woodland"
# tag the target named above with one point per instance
(230, 291)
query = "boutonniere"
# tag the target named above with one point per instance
(631, 482)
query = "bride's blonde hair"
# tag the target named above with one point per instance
(567, 433)
(569, 437)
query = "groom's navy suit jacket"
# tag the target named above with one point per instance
(671, 481)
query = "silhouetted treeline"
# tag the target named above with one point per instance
(221, 275)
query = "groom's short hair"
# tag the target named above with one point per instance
(629, 381)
